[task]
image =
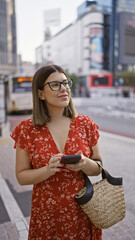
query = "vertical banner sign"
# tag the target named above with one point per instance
(2, 103)
(52, 18)
(96, 47)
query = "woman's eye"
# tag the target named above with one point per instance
(55, 84)
(66, 83)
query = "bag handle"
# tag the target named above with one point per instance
(105, 174)
(89, 187)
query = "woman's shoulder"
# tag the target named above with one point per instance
(23, 135)
(84, 118)
(86, 121)
(25, 123)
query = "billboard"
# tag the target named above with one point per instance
(96, 47)
(52, 18)
(126, 38)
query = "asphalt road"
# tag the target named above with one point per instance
(111, 115)
(110, 123)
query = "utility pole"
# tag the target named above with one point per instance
(114, 12)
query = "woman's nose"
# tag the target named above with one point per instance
(62, 87)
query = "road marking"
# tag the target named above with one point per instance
(114, 113)
(13, 210)
(113, 135)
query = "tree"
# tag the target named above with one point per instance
(74, 78)
(128, 77)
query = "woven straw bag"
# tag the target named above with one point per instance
(103, 201)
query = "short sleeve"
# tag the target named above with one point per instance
(21, 136)
(92, 133)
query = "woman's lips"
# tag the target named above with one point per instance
(63, 96)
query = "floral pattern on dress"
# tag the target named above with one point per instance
(55, 215)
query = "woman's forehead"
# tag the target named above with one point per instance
(56, 76)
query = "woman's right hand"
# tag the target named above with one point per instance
(54, 164)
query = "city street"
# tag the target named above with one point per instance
(118, 154)
(49, 50)
(114, 115)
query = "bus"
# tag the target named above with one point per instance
(18, 93)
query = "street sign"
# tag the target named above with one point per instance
(2, 103)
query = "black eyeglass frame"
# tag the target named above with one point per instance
(60, 83)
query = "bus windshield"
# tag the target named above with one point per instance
(22, 84)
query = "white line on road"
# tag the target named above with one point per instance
(113, 135)
(13, 210)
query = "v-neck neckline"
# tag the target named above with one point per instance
(54, 143)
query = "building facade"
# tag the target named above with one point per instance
(78, 48)
(100, 40)
(8, 44)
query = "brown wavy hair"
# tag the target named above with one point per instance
(40, 112)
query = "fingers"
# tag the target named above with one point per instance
(79, 152)
(76, 167)
(54, 164)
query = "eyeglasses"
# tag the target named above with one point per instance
(55, 85)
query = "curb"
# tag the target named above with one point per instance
(13, 210)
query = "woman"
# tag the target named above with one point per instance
(56, 130)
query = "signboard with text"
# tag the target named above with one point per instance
(52, 18)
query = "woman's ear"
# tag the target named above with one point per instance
(41, 95)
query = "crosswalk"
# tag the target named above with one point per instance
(114, 113)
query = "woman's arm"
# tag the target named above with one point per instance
(90, 167)
(26, 175)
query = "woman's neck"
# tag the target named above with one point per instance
(56, 114)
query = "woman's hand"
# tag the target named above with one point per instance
(54, 164)
(88, 165)
(78, 166)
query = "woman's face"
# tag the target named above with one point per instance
(55, 99)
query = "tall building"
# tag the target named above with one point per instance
(8, 45)
(122, 33)
(126, 6)
(100, 41)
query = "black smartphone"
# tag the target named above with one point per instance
(70, 159)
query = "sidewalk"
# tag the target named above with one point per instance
(11, 231)
(17, 227)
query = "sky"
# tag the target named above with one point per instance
(30, 22)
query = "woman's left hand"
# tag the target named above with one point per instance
(77, 166)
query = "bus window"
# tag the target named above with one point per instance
(100, 81)
(22, 84)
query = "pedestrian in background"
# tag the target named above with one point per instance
(80, 91)
(56, 129)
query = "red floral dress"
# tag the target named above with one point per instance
(55, 215)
